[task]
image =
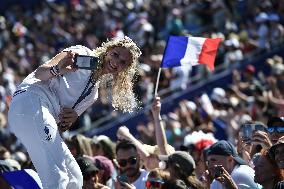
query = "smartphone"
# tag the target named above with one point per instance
(260, 127)
(247, 130)
(122, 178)
(218, 171)
(85, 62)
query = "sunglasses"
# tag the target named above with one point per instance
(131, 161)
(153, 183)
(278, 129)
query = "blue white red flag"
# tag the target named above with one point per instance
(182, 51)
(23, 179)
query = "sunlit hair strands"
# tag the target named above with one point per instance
(123, 97)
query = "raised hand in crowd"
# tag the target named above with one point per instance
(261, 138)
(150, 161)
(225, 179)
(124, 134)
(156, 108)
(159, 127)
(244, 149)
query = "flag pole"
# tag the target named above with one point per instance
(157, 82)
(160, 69)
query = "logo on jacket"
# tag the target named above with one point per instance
(48, 135)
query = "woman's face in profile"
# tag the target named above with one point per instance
(116, 60)
(279, 156)
(263, 170)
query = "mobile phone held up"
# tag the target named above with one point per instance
(85, 62)
(122, 178)
(246, 131)
(218, 171)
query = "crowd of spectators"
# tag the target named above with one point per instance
(30, 36)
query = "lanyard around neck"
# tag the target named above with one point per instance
(87, 90)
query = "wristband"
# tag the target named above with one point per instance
(54, 70)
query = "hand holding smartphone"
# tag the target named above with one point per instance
(122, 178)
(85, 62)
(248, 129)
(218, 171)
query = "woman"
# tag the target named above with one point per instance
(79, 145)
(52, 97)
(266, 171)
(181, 166)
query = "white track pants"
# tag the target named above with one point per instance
(31, 121)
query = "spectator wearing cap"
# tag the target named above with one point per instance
(174, 184)
(229, 170)
(275, 128)
(90, 173)
(106, 170)
(277, 153)
(195, 143)
(181, 166)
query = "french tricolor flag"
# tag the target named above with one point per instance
(22, 179)
(182, 51)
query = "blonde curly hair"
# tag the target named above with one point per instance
(123, 97)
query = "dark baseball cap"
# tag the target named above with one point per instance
(183, 159)
(272, 120)
(225, 148)
(273, 148)
(86, 165)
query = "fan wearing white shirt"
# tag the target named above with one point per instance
(229, 170)
(51, 98)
